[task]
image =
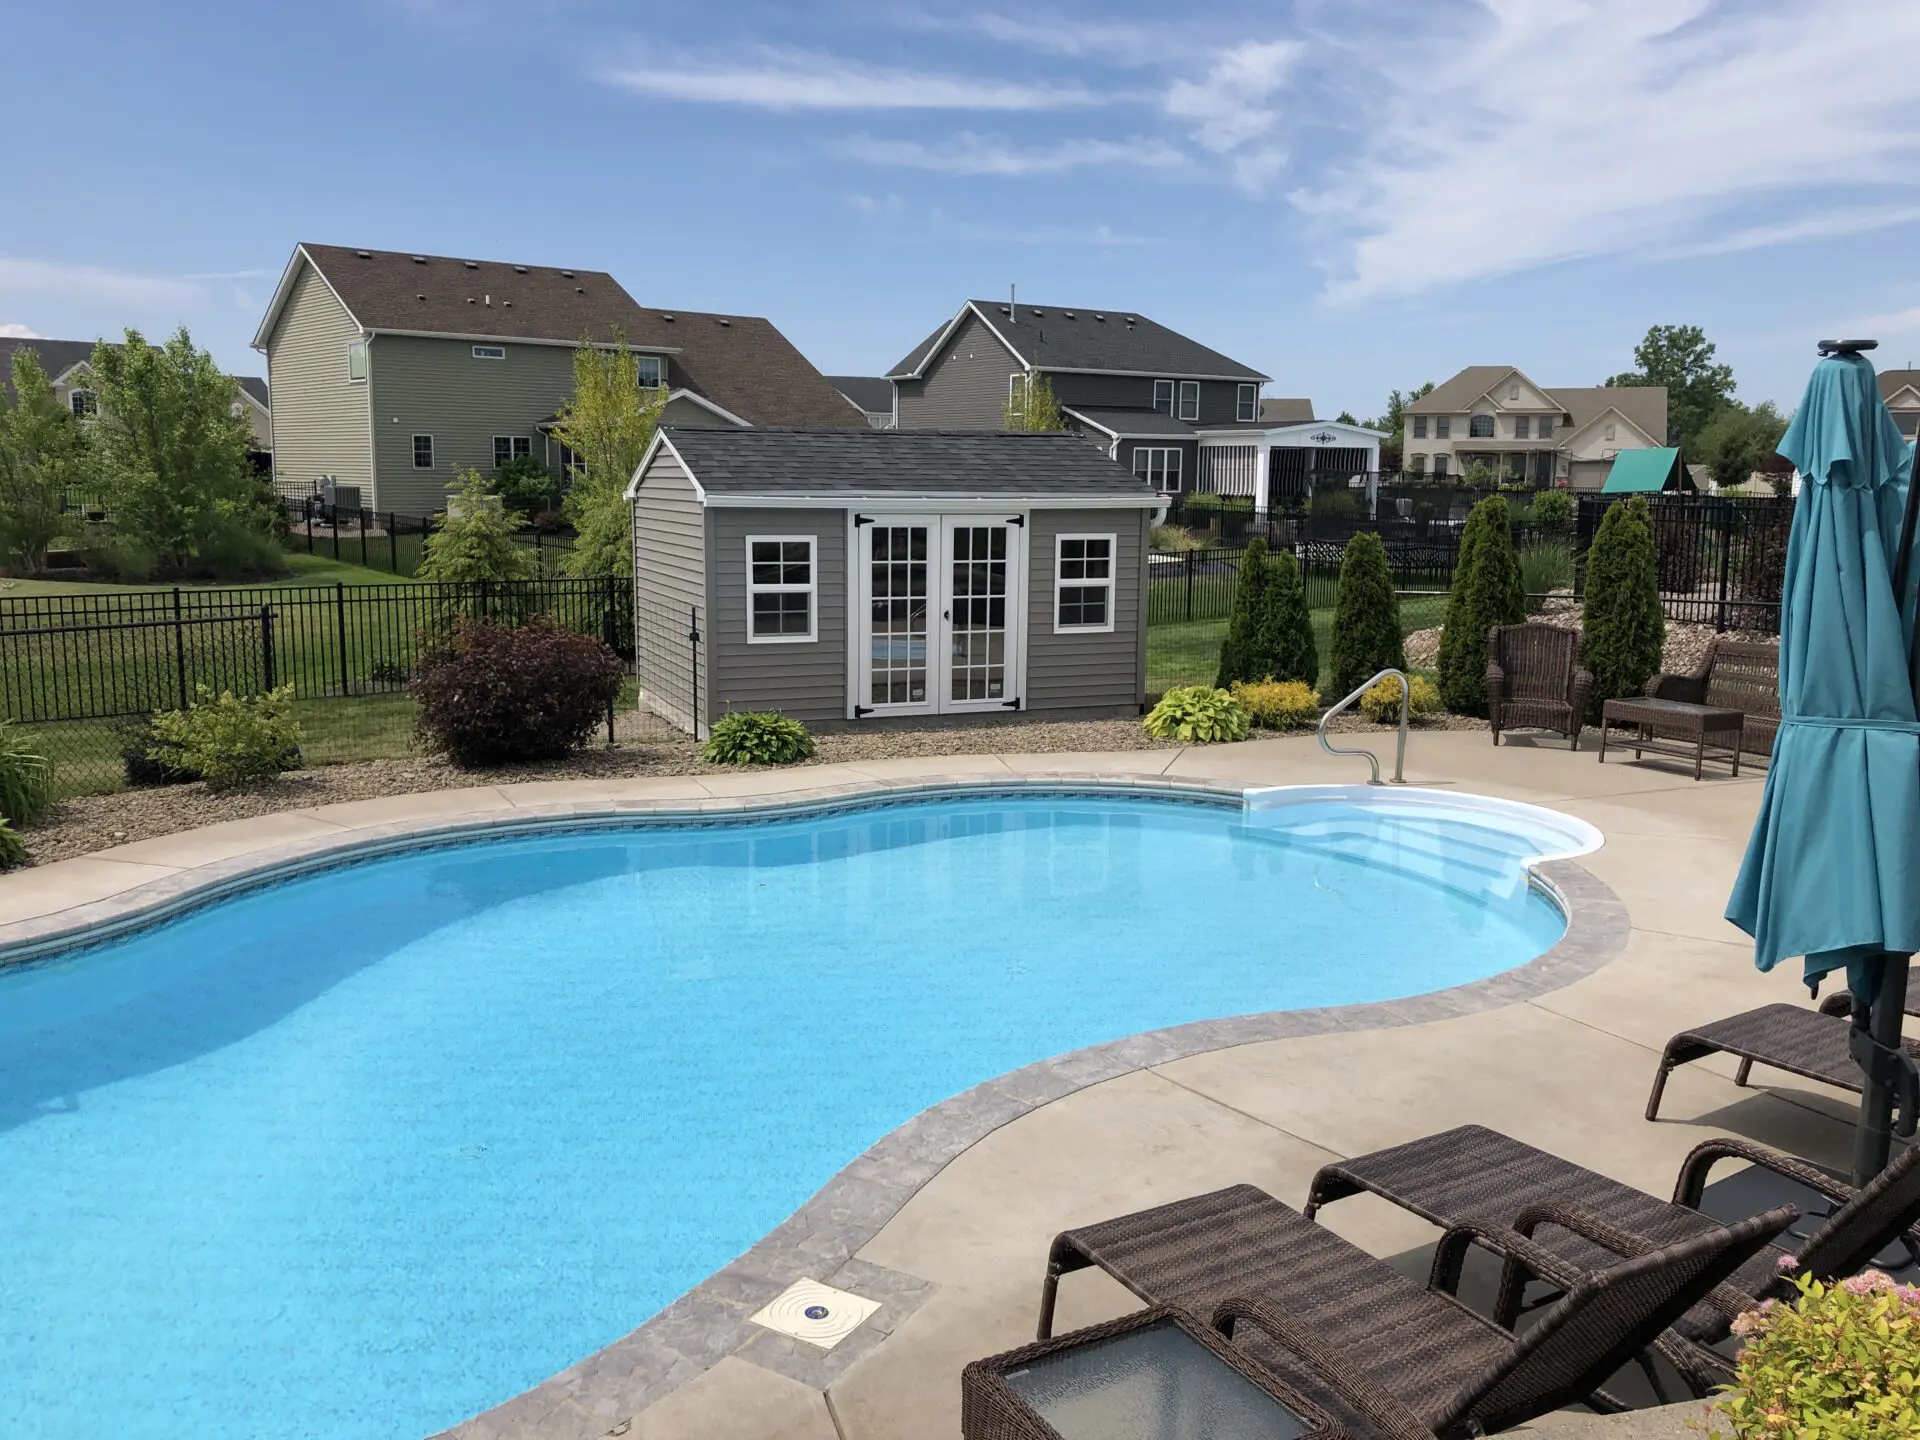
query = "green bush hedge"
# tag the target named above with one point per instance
(1278, 704)
(227, 740)
(1366, 615)
(1624, 626)
(757, 738)
(1270, 628)
(1487, 591)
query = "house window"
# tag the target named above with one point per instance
(1522, 424)
(489, 352)
(1416, 464)
(1419, 427)
(572, 462)
(83, 404)
(1163, 396)
(507, 448)
(423, 452)
(1479, 427)
(1246, 404)
(1442, 427)
(1907, 421)
(356, 361)
(1543, 426)
(1439, 467)
(1189, 399)
(1083, 582)
(1159, 467)
(652, 371)
(779, 589)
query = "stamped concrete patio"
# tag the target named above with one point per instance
(955, 1254)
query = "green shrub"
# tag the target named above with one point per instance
(1278, 704)
(13, 850)
(474, 540)
(1198, 715)
(148, 760)
(227, 740)
(1545, 566)
(757, 738)
(1175, 538)
(1366, 615)
(1284, 647)
(1486, 591)
(26, 777)
(1330, 504)
(523, 484)
(120, 557)
(1381, 703)
(1622, 621)
(492, 694)
(1552, 512)
(1239, 650)
(1841, 1362)
(238, 551)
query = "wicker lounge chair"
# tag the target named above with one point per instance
(1240, 1255)
(1479, 1177)
(1741, 675)
(1535, 680)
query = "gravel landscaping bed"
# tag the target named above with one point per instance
(1685, 650)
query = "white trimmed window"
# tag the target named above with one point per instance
(780, 576)
(1246, 404)
(1522, 425)
(83, 404)
(1163, 396)
(1159, 466)
(1189, 399)
(1419, 427)
(1083, 582)
(508, 448)
(356, 361)
(651, 370)
(489, 352)
(1479, 427)
(423, 452)
(1443, 427)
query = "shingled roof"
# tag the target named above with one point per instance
(1119, 342)
(1644, 405)
(942, 464)
(59, 356)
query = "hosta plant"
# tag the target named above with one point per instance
(1278, 704)
(757, 738)
(1197, 715)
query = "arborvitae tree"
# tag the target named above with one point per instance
(1487, 591)
(1285, 646)
(1237, 651)
(1622, 621)
(1366, 615)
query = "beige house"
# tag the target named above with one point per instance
(68, 365)
(1496, 416)
(391, 371)
(1901, 390)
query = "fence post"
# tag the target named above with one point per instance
(267, 667)
(693, 648)
(340, 625)
(1190, 555)
(308, 517)
(606, 638)
(1726, 563)
(179, 648)
(393, 545)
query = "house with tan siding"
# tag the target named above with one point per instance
(69, 366)
(392, 371)
(1564, 437)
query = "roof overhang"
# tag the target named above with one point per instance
(654, 446)
(1113, 434)
(894, 502)
(705, 404)
(1242, 379)
(1278, 434)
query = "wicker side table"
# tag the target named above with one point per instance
(1675, 728)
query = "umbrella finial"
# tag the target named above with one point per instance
(1846, 347)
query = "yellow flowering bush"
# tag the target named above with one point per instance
(1278, 704)
(1381, 703)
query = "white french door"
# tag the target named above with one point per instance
(939, 614)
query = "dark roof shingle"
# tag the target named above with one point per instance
(1117, 420)
(942, 463)
(1280, 410)
(56, 357)
(872, 393)
(1118, 341)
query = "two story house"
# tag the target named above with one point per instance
(68, 364)
(1563, 437)
(390, 370)
(1901, 390)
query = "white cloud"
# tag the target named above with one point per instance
(1111, 39)
(16, 331)
(788, 80)
(1227, 106)
(1823, 226)
(970, 154)
(1562, 128)
(51, 279)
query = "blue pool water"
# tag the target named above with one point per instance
(368, 1151)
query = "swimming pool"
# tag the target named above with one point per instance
(366, 1151)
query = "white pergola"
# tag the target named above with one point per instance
(1239, 460)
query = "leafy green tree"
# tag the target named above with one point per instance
(173, 457)
(42, 451)
(1366, 615)
(1738, 440)
(1680, 357)
(1284, 647)
(1487, 591)
(608, 425)
(1394, 421)
(524, 484)
(474, 540)
(1553, 512)
(1623, 624)
(1032, 406)
(1345, 417)
(1239, 650)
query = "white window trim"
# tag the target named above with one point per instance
(1187, 386)
(1246, 404)
(416, 452)
(1176, 467)
(811, 589)
(89, 403)
(359, 346)
(517, 446)
(1113, 562)
(1173, 396)
(640, 374)
(489, 352)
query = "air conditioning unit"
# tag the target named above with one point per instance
(346, 497)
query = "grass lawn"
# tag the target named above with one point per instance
(303, 570)
(1188, 653)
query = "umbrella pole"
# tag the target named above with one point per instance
(1873, 1136)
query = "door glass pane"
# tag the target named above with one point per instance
(897, 666)
(979, 611)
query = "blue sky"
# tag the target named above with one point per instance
(1351, 195)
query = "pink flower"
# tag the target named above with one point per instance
(1787, 1262)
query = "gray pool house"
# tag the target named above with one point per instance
(854, 576)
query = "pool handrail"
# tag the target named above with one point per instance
(1400, 748)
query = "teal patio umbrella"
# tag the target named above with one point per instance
(1832, 872)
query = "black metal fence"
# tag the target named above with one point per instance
(669, 666)
(1721, 561)
(384, 540)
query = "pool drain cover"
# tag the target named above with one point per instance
(818, 1314)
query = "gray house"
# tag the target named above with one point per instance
(857, 575)
(391, 370)
(1150, 396)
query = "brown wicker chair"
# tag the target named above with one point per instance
(1535, 680)
(1741, 675)
(1241, 1256)
(1479, 1177)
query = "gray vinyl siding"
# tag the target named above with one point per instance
(1070, 670)
(436, 387)
(807, 681)
(1189, 457)
(1217, 397)
(669, 581)
(965, 386)
(319, 416)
